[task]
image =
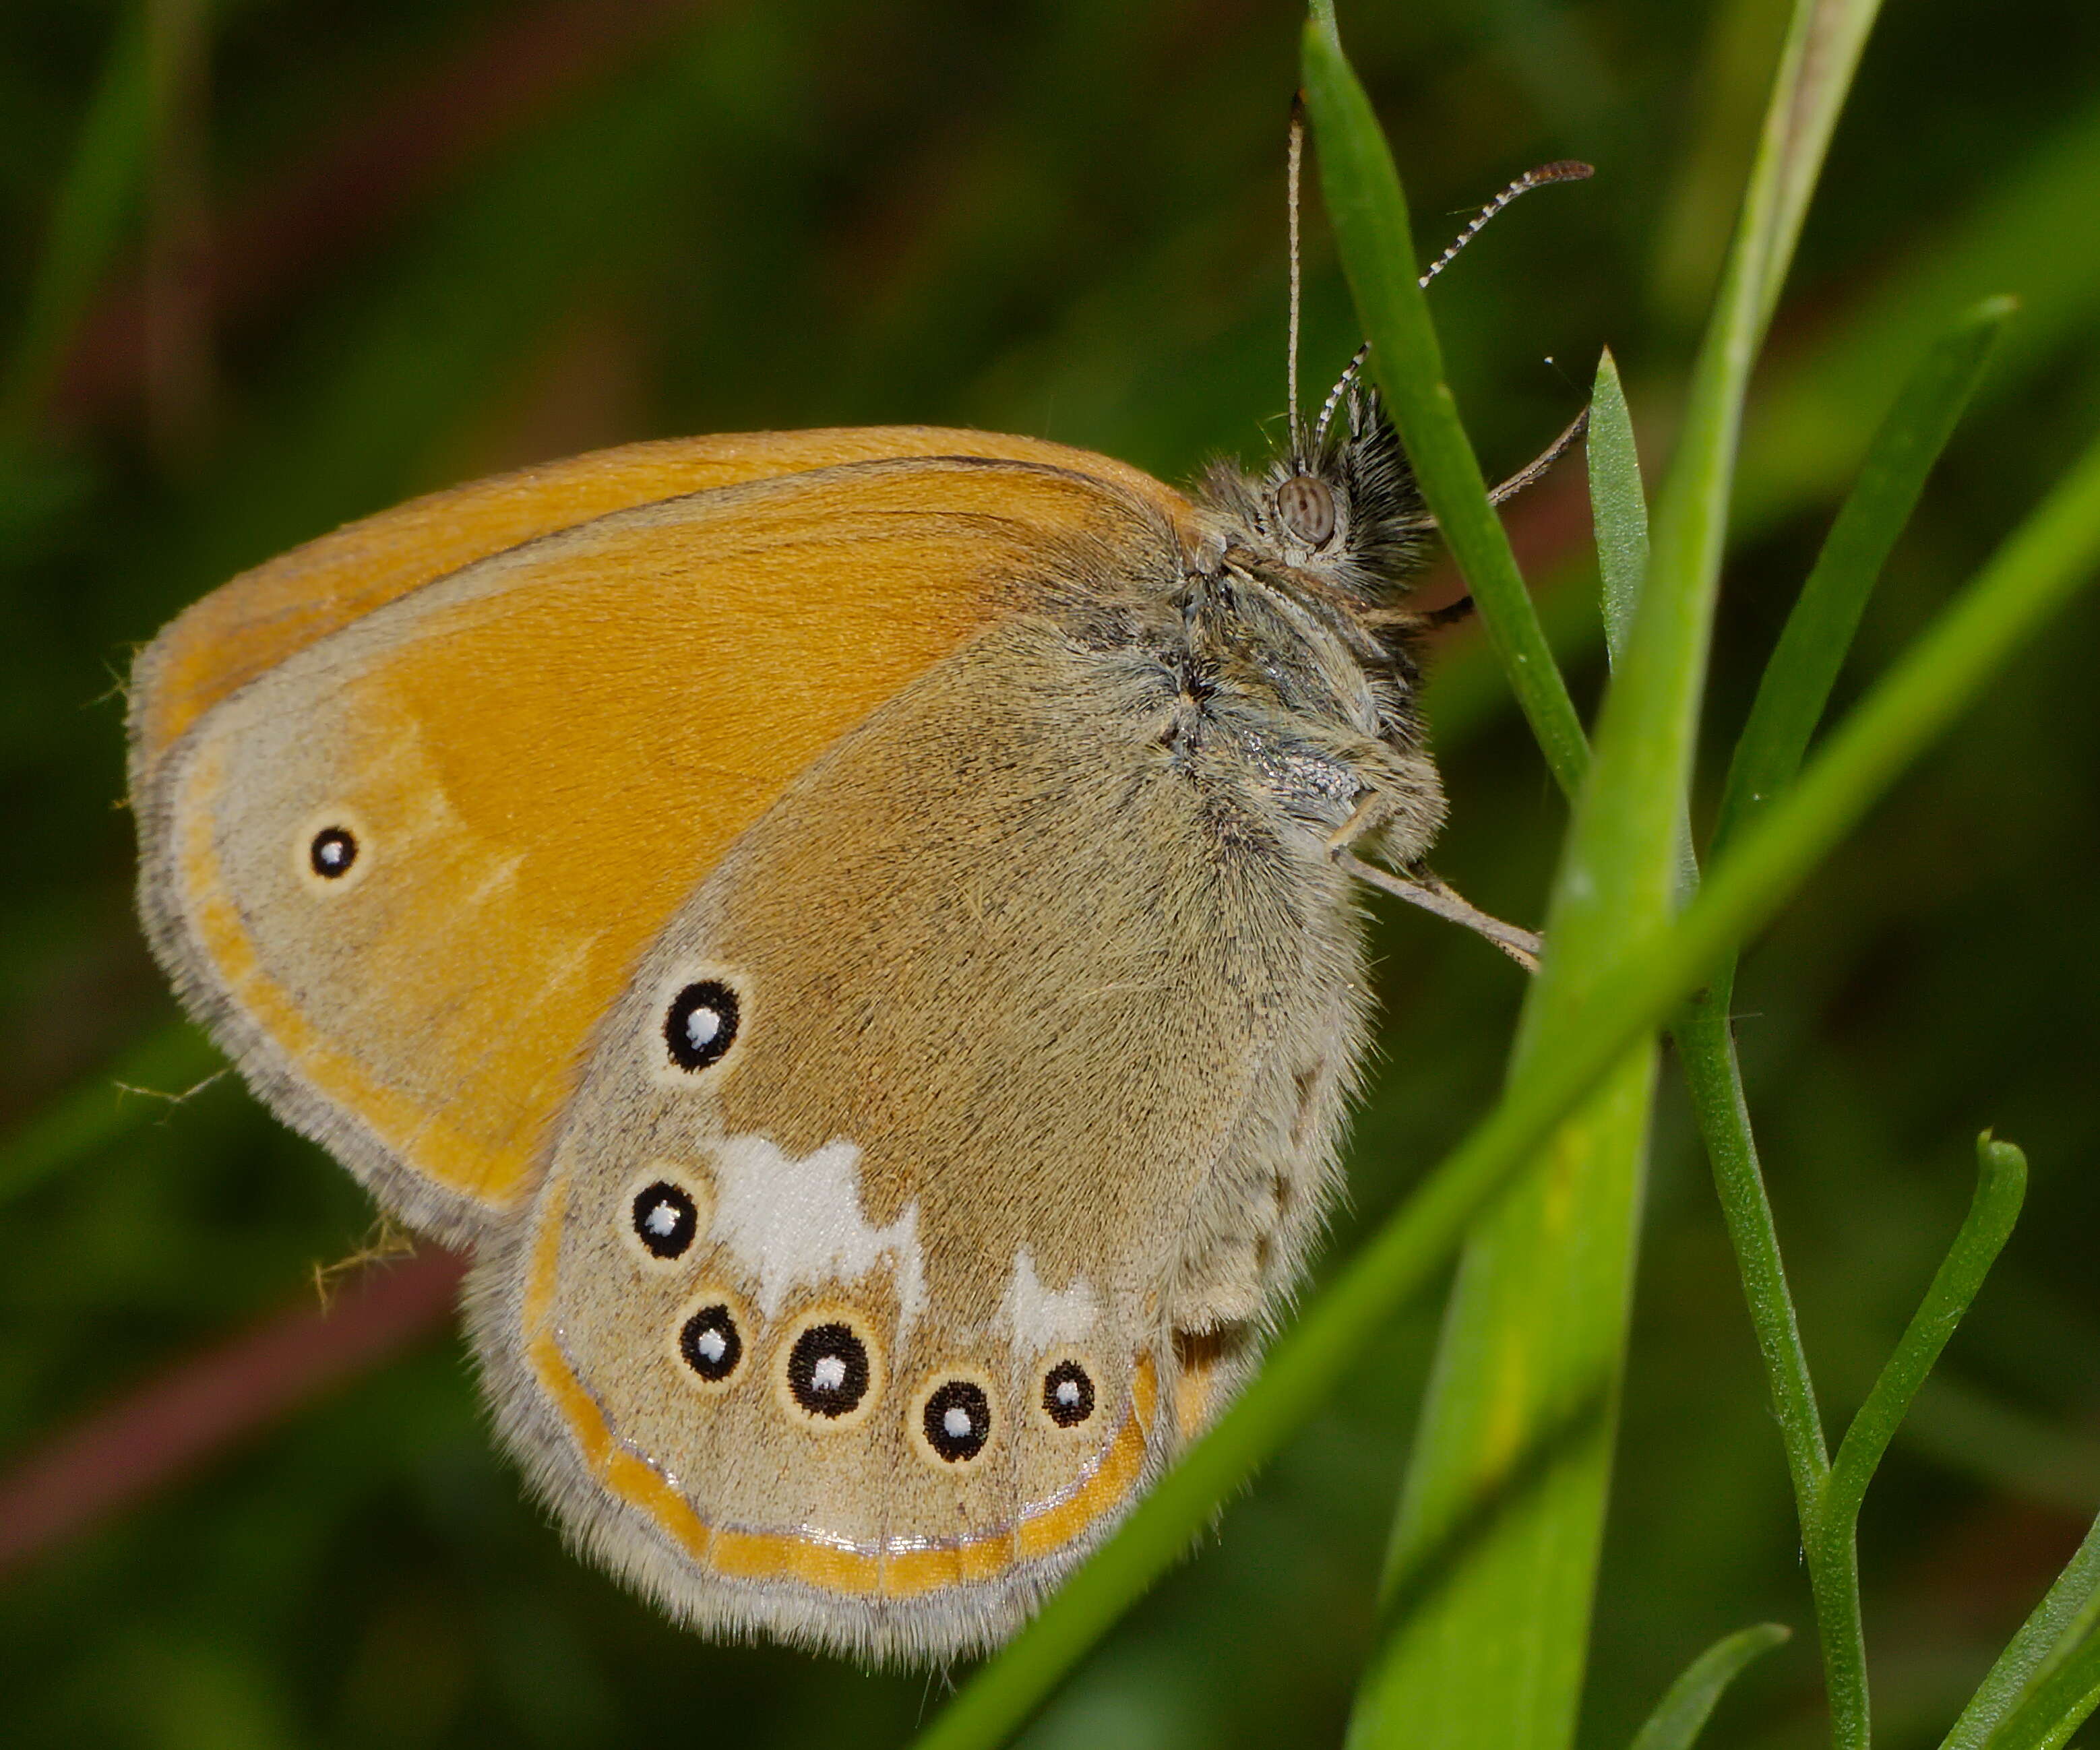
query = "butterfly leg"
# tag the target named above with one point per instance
(1420, 888)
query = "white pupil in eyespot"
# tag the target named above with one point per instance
(701, 1027)
(711, 1344)
(1068, 1391)
(955, 1422)
(661, 1220)
(829, 1373)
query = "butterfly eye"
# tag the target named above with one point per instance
(666, 1219)
(332, 851)
(1307, 506)
(829, 1370)
(710, 1343)
(701, 1025)
(1068, 1394)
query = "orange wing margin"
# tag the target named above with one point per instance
(549, 748)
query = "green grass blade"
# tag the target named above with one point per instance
(1705, 1043)
(2066, 1615)
(1822, 48)
(2001, 1178)
(1812, 424)
(2061, 1703)
(105, 1108)
(1830, 1515)
(1790, 700)
(1618, 504)
(1816, 64)
(2032, 576)
(1502, 1518)
(1725, 112)
(1688, 1703)
(94, 208)
(1489, 1586)
(1489, 1582)
(1818, 632)
(1368, 213)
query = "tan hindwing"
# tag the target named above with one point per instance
(937, 1169)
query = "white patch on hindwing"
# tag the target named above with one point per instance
(792, 1223)
(1043, 1318)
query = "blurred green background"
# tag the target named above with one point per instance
(380, 247)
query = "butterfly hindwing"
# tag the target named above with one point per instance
(978, 1102)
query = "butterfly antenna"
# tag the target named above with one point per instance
(1293, 161)
(1560, 170)
(1341, 388)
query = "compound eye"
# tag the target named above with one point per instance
(1307, 506)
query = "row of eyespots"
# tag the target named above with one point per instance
(829, 1374)
(829, 1370)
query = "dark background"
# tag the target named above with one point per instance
(395, 246)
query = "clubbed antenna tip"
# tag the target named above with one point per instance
(1560, 170)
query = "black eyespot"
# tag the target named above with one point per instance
(827, 1370)
(701, 1025)
(957, 1420)
(1068, 1394)
(1307, 506)
(665, 1220)
(332, 853)
(711, 1344)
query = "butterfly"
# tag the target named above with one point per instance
(856, 930)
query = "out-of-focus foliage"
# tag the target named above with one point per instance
(381, 247)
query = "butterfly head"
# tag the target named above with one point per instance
(1337, 505)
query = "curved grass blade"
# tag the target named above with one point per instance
(1819, 631)
(2061, 1703)
(1830, 1520)
(1688, 1703)
(1502, 1518)
(2067, 1614)
(1488, 1586)
(2033, 574)
(1618, 505)
(1368, 213)
(2001, 1179)
(1790, 701)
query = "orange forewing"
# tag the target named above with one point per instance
(556, 758)
(249, 625)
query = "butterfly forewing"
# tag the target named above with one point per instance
(405, 870)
